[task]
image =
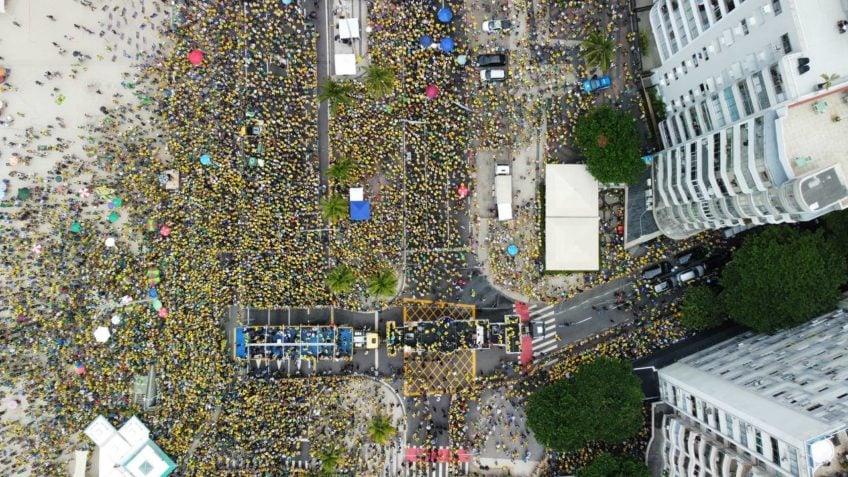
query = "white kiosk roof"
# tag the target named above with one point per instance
(571, 218)
(357, 194)
(345, 64)
(348, 28)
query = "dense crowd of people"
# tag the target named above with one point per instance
(103, 242)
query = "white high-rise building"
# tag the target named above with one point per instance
(753, 132)
(759, 404)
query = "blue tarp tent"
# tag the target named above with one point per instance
(241, 349)
(360, 210)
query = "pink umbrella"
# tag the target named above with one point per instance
(432, 91)
(195, 57)
(163, 312)
(36, 248)
(165, 231)
(80, 369)
(462, 191)
(12, 404)
(85, 192)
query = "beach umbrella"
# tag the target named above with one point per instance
(36, 248)
(195, 57)
(152, 293)
(126, 300)
(116, 319)
(117, 202)
(425, 41)
(461, 60)
(432, 91)
(85, 192)
(205, 159)
(447, 44)
(79, 369)
(462, 191)
(102, 334)
(512, 250)
(113, 217)
(110, 242)
(445, 14)
(165, 231)
(156, 304)
(76, 227)
(24, 193)
(163, 312)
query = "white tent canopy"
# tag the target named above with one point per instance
(102, 334)
(571, 218)
(345, 64)
(348, 28)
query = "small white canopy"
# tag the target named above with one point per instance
(348, 28)
(345, 64)
(102, 334)
(110, 242)
(357, 194)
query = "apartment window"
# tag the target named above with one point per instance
(730, 100)
(758, 441)
(793, 461)
(787, 45)
(744, 24)
(775, 5)
(760, 90)
(745, 94)
(776, 79)
(775, 451)
(743, 434)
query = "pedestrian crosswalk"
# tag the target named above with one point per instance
(436, 469)
(544, 336)
(440, 462)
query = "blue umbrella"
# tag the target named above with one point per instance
(152, 293)
(287, 2)
(447, 44)
(445, 14)
(426, 41)
(512, 250)
(205, 159)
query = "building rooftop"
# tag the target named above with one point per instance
(815, 141)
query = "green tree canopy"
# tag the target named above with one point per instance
(336, 93)
(330, 459)
(608, 465)
(598, 49)
(701, 308)
(381, 430)
(334, 208)
(379, 81)
(602, 401)
(782, 277)
(340, 279)
(609, 141)
(383, 283)
(341, 171)
(836, 230)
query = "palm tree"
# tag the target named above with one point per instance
(340, 279)
(329, 458)
(381, 430)
(379, 81)
(334, 208)
(598, 49)
(829, 79)
(341, 171)
(336, 93)
(383, 283)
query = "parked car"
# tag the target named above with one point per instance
(654, 271)
(492, 59)
(497, 25)
(691, 274)
(663, 286)
(597, 84)
(493, 75)
(692, 255)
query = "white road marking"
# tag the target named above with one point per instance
(583, 321)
